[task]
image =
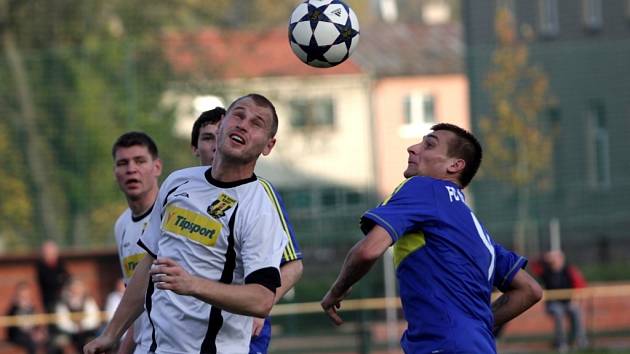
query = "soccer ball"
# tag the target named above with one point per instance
(323, 33)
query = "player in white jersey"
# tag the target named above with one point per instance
(137, 167)
(218, 242)
(203, 145)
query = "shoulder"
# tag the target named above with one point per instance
(123, 217)
(187, 173)
(416, 186)
(268, 189)
(122, 221)
(178, 177)
(262, 193)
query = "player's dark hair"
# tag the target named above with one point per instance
(130, 139)
(465, 147)
(262, 101)
(212, 116)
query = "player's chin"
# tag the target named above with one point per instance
(241, 156)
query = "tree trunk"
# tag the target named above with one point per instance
(522, 200)
(34, 144)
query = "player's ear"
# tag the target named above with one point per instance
(270, 144)
(158, 167)
(456, 166)
(195, 151)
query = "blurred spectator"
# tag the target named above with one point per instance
(556, 273)
(78, 328)
(113, 299)
(51, 275)
(24, 332)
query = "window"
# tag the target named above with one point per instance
(324, 199)
(592, 14)
(297, 199)
(598, 147)
(312, 112)
(548, 18)
(419, 108)
(329, 197)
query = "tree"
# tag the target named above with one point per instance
(75, 75)
(78, 73)
(518, 148)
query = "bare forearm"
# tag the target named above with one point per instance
(247, 299)
(127, 346)
(132, 303)
(354, 268)
(359, 261)
(290, 274)
(525, 292)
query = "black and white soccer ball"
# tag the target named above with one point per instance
(323, 33)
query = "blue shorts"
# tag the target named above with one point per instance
(260, 344)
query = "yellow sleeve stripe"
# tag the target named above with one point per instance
(289, 250)
(395, 191)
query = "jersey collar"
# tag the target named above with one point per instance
(220, 184)
(137, 218)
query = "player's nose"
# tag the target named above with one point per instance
(132, 167)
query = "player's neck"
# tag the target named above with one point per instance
(140, 206)
(225, 170)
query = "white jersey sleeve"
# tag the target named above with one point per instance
(263, 240)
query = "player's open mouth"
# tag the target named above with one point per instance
(237, 139)
(132, 182)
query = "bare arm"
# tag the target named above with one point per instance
(127, 346)
(290, 273)
(524, 293)
(246, 299)
(130, 307)
(359, 261)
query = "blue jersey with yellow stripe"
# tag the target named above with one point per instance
(446, 264)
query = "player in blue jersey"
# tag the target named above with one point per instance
(446, 263)
(203, 144)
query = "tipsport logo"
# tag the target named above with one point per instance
(194, 226)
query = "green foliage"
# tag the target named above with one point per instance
(518, 148)
(92, 70)
(15, 206)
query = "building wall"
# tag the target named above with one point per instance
(392, 137)
(584, 68)
(339, 154)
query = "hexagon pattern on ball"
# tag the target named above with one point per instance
(323, 33)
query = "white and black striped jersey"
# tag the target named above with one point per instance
(227, 232)
(127, 231)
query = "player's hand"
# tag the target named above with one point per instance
(100, 345)
(331, 303)
(257, 326)
(166, 274)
